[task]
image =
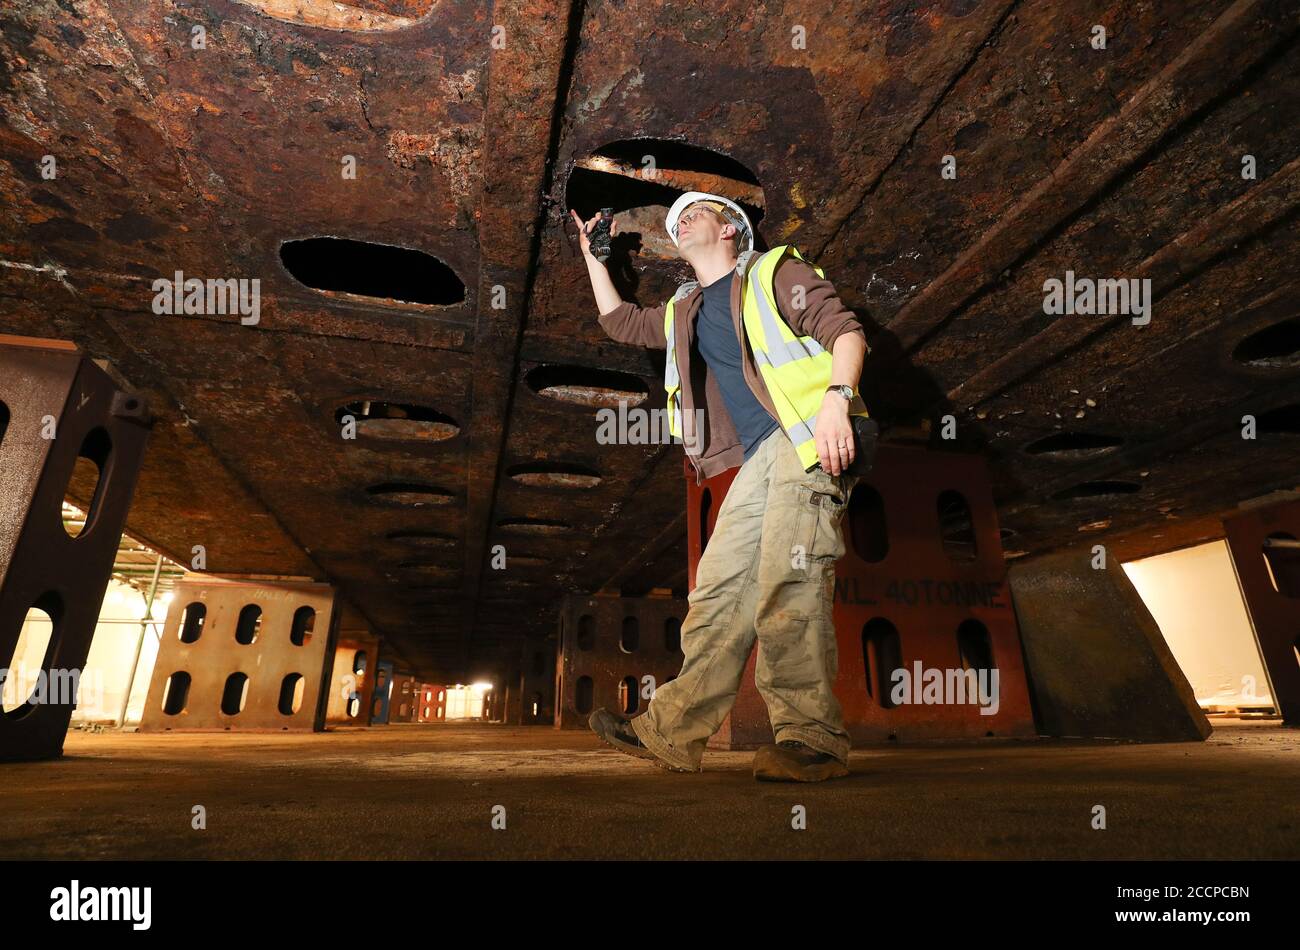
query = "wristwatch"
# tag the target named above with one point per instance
(845, 391)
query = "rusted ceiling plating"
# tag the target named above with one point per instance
(1122, 162)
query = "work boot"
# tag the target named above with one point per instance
(618, 732)
(792, 761)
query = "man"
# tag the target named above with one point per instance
(762, 344)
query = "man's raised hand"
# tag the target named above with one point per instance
(584, 229)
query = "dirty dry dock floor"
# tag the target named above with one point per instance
(428, 791)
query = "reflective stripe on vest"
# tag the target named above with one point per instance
(795, 369)
(672, 380)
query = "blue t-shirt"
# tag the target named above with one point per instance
(715, 337)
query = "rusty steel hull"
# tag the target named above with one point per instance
(471, 143)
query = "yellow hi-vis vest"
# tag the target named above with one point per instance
(796, 369)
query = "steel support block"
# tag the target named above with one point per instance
(537, 682)
(244, 656)
(383, 694)
(402, 703)
(1265, 546)
(58, 407)
(919, 590)
(433, 703)
(354, 673)
(608, 648)
(1098, 662)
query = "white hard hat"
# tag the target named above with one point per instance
(737, 217)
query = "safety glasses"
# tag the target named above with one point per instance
(694, 213)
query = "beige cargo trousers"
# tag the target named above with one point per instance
(767, 573)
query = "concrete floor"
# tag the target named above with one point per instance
(428, 791)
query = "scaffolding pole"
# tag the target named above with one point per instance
(139, 643)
